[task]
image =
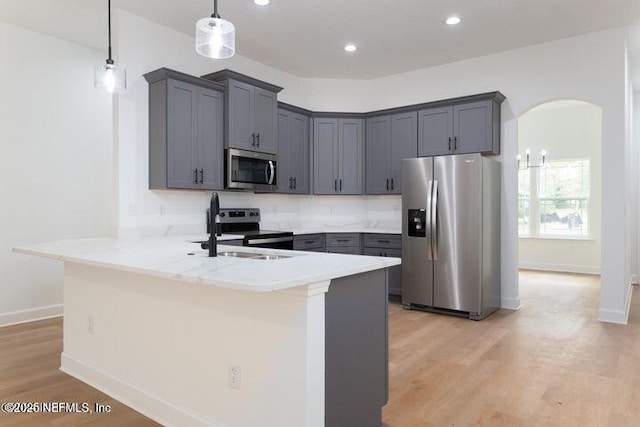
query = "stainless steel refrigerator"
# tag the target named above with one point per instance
(451, 234)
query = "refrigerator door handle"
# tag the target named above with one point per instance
(428, 220)
(434, 221)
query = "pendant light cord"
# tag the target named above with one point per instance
(215, 9)
(109, 60)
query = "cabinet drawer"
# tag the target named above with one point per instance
(383, 241)
(395, 253)
(351, 250)
(343, 239)
(308, 242)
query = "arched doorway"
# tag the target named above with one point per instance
(559, 188)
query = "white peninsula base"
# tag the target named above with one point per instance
(167, 348)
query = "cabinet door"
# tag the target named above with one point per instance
(181, 134)
(265, 121)
(435, 131)
(351, 154)
(241, 107)
(209, 144)
(378, 177)
(403, 144)
(325, 156)
(472, 127)
(298, 156)
(285, 177)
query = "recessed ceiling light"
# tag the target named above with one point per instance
(262, 2)
(452, 20)
(350, 47)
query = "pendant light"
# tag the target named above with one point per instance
(215, 37)
(109, 76)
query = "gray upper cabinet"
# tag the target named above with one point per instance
(185, 132)
(390, 139)
(252, 112)
(293, 152)
(472, 127)
(435, 129)
(338, 148)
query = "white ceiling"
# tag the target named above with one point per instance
(305, 37)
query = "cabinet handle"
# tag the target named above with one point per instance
(455, 142)
(380, 254)
(392, 185)
(253, 139)
(195, 175)
(383, 241)
(449, 143)
(258, 138)
(385, 254)
(295, 182)
(290, 183)
(335, 185)
(387, 184)
(340, 184)
(309, 242)
(201, 176)
(342, 240)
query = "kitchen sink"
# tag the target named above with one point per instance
(253, 255)
(239, 254)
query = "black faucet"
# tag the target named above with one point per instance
(214, 224)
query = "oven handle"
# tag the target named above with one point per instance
(272, 240)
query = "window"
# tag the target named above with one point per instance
(553, 200)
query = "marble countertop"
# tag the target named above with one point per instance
(167, 257)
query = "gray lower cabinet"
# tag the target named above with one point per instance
(390, 138)
(338, 152)
(356, 350)
(309, 242)
(293, 152)
(185, 132)
(344, 243)
(459, 129)
(386, 245)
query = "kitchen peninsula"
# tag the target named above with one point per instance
(228, 341)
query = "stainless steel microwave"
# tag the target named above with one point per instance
(250, 170)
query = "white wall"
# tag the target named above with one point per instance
(567, 132)
(56, 168)
(593, 72)
(635, 253)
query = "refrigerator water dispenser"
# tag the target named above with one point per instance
(417, 221)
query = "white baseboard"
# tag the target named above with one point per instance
(30, 315)
(154, 407)
(561, 268)
(510, 303)
(617, 316)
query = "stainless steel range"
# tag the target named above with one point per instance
(246, 224)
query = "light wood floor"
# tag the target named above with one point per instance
(550, 364)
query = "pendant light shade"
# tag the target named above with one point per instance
(215, 37)
(109, 76)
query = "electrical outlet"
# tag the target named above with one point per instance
(234, 376)
(90, 325)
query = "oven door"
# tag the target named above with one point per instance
(270, 242)
(250, 170)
